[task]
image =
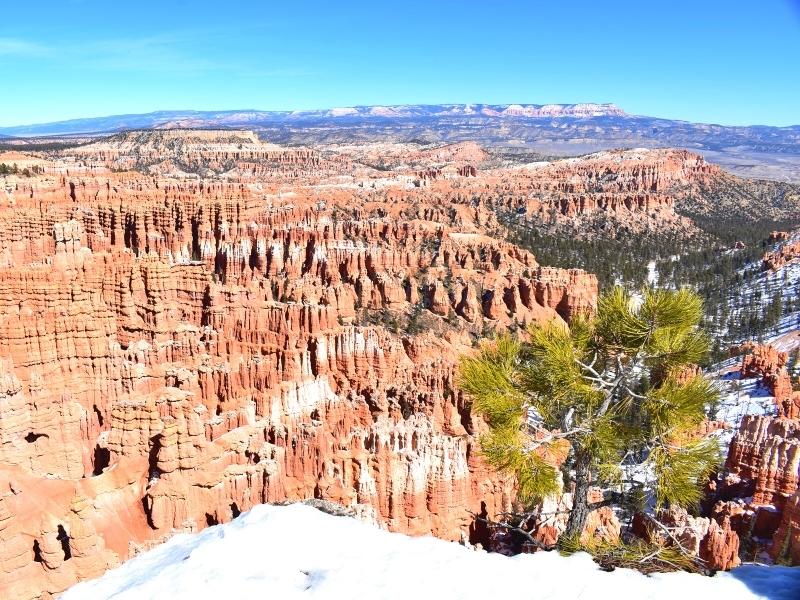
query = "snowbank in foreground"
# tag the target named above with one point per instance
(299, 552)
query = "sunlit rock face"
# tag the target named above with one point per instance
(759, 489)
(766, 449)
(782, 256)
(713, 540)
(174, 350)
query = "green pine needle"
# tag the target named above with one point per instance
(583, 381)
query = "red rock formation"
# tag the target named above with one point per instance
(173, 352)
(603, 524)
(707, 427)
(467, 171)
(789, 406)
(423, 177)
(763, 360)
(763, 463)
(719, 548)
(786, 541)
(769, 364)
(766, 451)
(781, 257)
(182, 151)
(635, 180)
(634, 190)
(778, 236)
(714, 542)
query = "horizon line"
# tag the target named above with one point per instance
(356, 106)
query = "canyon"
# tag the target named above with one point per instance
(175, 351)
(195, 322)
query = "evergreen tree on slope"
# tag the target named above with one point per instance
(614, 386)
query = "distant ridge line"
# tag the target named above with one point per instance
(245, 117)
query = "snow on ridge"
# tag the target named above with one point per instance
(758, 289)
(342, 111)
(298, 552)
(739, 397)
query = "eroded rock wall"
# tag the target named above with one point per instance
(173, 352)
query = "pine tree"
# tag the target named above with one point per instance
(609, 385)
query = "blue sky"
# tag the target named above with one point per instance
(731, 62)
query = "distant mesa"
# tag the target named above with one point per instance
(759, 152)
(234, 118)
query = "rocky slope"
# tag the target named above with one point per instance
(195, 151)
(602, 195)
(632, 191)
(758, 489)
(785, 254)
(174, 352)
(236, 322)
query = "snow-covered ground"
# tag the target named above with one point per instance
(296, 551)
(757, 291)
(786, 336)
(739, 397)
(760, 290)
(748, 396)
(652, 273)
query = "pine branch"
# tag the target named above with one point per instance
(551, 436)
(516, 529)
(669, 534)
(634, 394)
(591, 369)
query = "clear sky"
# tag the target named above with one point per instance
(730, 62)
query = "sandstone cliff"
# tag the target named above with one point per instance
(175, 351)
(763, 462)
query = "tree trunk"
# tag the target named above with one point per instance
(580, 501)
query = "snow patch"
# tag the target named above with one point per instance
(298, 552)
(342, 112)
(652, 273)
